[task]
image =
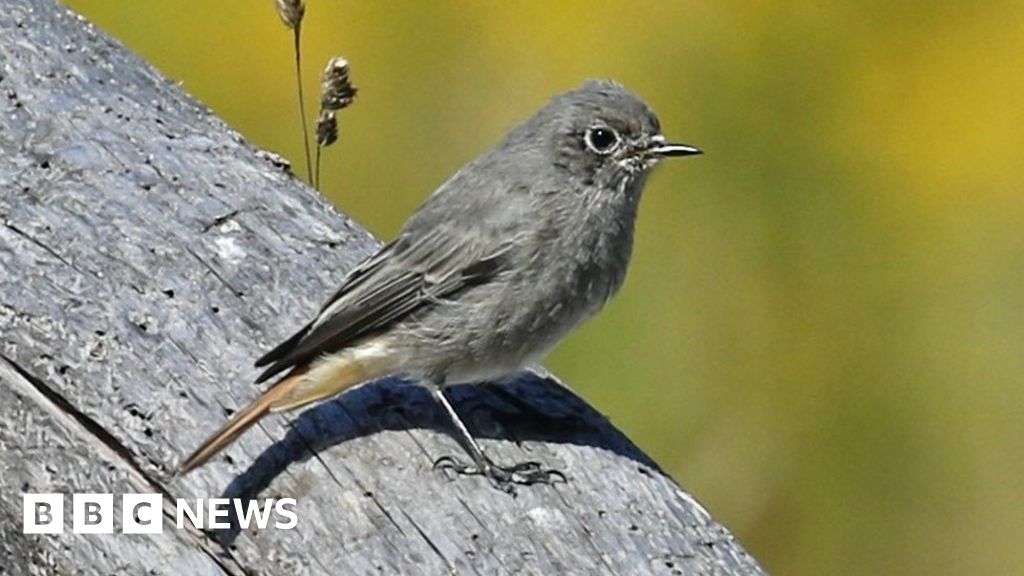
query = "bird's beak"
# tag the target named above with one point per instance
(664, 149)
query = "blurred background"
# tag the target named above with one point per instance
(822, 333)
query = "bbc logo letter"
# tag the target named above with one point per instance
(142, 514)
(43, 513)
(92, 514)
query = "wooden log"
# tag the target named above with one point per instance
(147, 256)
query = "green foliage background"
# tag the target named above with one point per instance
(821, 336)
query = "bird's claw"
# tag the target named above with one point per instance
(504, 478)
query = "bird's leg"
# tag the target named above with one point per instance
(502, 477)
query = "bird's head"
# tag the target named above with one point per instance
(604, 135)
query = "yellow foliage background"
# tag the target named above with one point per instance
(822, 333)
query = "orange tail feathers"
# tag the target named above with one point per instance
(239, 423)
(302, 386)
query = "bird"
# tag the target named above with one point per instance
(500, 263)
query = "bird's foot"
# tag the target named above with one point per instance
(504, 478)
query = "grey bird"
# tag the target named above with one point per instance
(506, 258)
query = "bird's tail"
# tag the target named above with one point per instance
(299, 388)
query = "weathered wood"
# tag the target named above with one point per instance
(147, 255)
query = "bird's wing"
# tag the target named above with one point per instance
(406, 275)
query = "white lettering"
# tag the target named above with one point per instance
(253, 509)
(282, 507)
(217, 508)
(194, 516)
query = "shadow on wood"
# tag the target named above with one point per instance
(528, 407)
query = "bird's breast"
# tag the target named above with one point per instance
(561, 274)
(564, 283)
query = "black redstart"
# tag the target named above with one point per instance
(506, 258)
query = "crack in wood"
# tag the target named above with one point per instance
(54, 403)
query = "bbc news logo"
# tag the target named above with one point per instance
(144, 513)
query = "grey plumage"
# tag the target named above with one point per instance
(507, 257)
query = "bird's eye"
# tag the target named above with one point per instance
(601, 140)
